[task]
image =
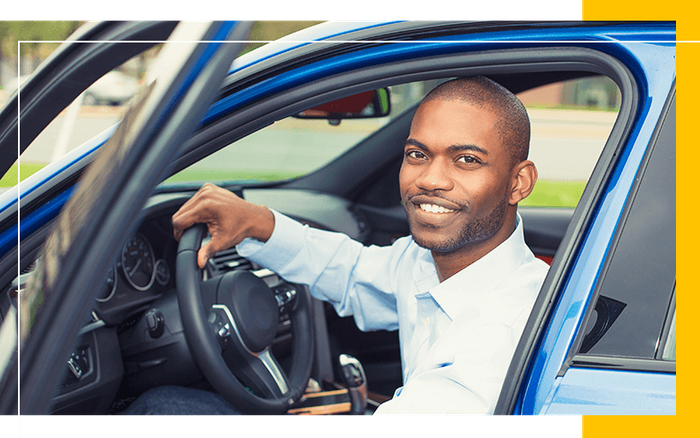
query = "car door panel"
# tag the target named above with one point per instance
(631, 269)
(586, 391)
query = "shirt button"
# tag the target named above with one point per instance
(426, 322)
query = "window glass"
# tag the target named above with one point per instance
(570, 123)
(294, 147)
(99, 107)
(288, 149)
(639, 281)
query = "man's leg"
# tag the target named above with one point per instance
(175, 400)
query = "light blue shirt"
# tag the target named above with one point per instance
(457, 337)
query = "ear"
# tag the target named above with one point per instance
(523, 179)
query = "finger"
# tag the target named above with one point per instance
(186, 219)
(187, 214)
(179, 227)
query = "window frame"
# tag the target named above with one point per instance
(582, 217)
(665, 127)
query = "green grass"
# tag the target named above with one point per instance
(26, 169)
(192, 175)
(546, 193)
(555, 194)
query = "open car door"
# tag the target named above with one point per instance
(106, 206)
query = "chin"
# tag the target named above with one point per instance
(445, 241)
(450, 242)
(442, 247)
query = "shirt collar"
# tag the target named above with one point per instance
(483, 275)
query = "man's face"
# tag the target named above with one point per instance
(455, 176)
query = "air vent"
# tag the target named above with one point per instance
(229, 260)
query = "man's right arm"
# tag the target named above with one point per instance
(357, 280)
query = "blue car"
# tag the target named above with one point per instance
(313, 125)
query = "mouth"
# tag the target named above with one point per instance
(433, 208)
(432, 211)
(433, 204)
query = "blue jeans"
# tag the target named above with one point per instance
(175, 400)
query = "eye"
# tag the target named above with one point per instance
(468, 159)
(416, 154)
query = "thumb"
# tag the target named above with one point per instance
(210, 249)
(203, 255)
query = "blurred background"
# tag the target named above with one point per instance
(24, 45)
(40, 38)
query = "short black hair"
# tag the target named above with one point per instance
(513, 124)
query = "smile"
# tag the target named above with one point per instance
(432, 208)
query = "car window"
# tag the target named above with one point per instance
(293, 147)
(570, 123)
(638, 283)
(101, 106)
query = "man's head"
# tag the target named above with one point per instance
(465, 167)
(513, 124)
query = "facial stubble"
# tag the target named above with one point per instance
(474, 231)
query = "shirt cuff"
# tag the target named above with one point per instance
(285, 242)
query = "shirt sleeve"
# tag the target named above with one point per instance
(355, 279)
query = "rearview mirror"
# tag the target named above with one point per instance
(366, 105)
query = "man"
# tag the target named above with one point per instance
(459, 289)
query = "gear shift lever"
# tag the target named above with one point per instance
(353, 376)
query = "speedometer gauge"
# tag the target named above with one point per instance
(138, 262)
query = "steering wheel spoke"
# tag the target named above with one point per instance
(259, 371)
(230, 333)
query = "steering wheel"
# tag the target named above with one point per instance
(230, 322)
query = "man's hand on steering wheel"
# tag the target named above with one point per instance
(229, 220)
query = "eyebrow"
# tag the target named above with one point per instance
(450, 149)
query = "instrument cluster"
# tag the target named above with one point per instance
(140, 270)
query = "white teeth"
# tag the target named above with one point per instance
(432, 208)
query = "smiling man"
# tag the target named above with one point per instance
(459, 289)
(465, 169)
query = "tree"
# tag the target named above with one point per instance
(34, 32)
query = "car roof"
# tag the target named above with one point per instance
(319, 32)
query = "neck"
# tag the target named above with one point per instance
(448, 264)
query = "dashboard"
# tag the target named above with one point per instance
(142, 272)
(134, 338)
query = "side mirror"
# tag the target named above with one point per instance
(366, 105)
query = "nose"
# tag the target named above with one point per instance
(435, 177)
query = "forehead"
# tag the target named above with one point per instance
(443, 123)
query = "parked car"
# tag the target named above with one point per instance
(99, 263)
(114, 88)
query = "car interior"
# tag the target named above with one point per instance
(344, 180)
